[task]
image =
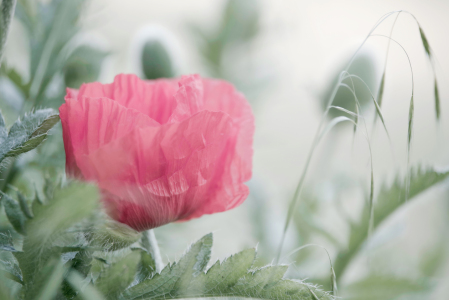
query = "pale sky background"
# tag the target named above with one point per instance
(301, 44)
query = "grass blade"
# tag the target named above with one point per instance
(425, 42)
(437, 100)
(380, 93)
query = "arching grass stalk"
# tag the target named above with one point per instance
(299, 187)
(371, 195)
(410, 116)
(382, 81)
(431, 57)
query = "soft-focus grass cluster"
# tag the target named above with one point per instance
(56, 244)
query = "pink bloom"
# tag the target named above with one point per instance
(162, 150)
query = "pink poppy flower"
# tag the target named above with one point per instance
(163, 150)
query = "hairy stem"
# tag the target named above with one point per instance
(149, 242)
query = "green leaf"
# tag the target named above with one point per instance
(390, 198)
(156, 61)
(232, 278)
(28, 133)
(377, 287)
(112, 235)
(52, 28)
(24, 205)
(6, 243)
(6, 13)
(85, 291)
(15, 78)
(14, 213)
(49, 281)
(69, 206)
(83, 65)
(115, 279)
(5, 288)
(11, 270)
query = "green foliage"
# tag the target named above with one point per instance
(83, 65)
(45, 272)
(238, 27)
(118, 276)
(26, 134)
(47, 284)
(14, 214)
(6, 12)
(390, 199)
(6, 243)
(233, 277)
(86, 292)
(156, 61)
(114, 236)
(385, 287)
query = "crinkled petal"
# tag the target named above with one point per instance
(152, 98)
(89, 123)
(175, 166)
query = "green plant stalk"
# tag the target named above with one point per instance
(299, 187)
(149, 242)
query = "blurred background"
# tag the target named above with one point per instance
(285, 56)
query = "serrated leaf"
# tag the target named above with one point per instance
(115, 279)
(147, 265)
(14, 214)
(390, 198)
(11, 270)
(28, 133)
(112, 235)
(6, 243)
(232, 278)
(70, 205)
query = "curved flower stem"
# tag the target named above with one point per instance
(149, 242)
